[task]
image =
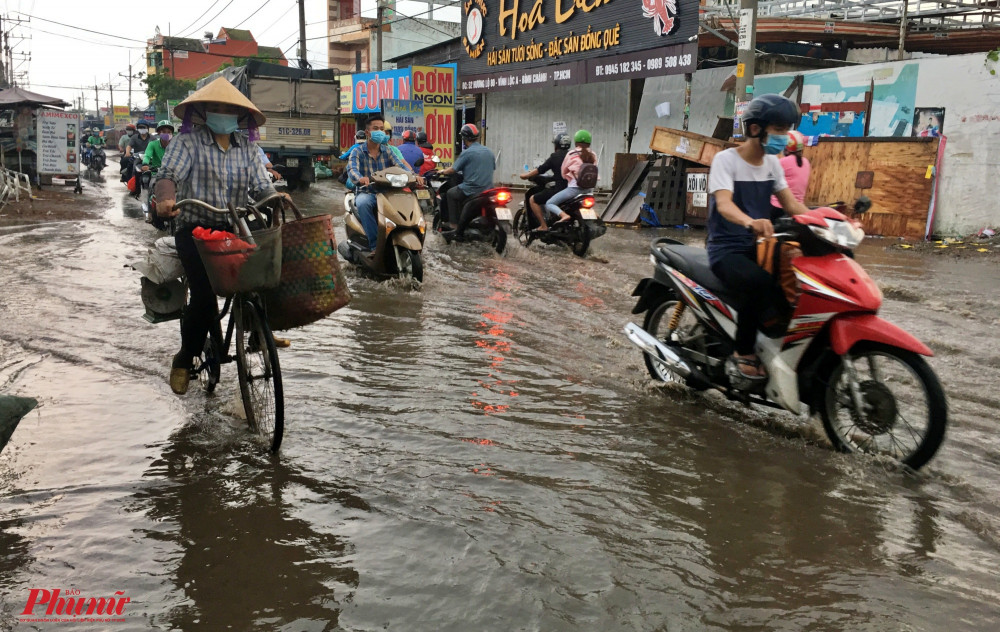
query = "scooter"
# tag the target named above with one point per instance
(866, 378)
(97, 160)
(577, 232)
(493, 221)
(401, 228)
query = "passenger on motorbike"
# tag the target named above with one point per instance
(411, 153)
(740, 184)
(428, 151)
(797, 169)
(554, 164)
(210, 161)
(264, 160)
(125, 138)
(362, 163)
(153, 155)
(476, 164)
(570, 169)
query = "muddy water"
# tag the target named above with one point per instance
(485, 453)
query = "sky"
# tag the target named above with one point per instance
(65, 59)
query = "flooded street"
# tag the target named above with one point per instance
(484, 453)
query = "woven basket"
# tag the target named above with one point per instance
(312, 284)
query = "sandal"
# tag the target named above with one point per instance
(753, 363)
(180, 374)
(742, 381)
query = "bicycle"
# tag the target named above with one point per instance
(258, 369)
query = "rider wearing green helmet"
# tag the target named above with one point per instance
(579, 156)
(154, 150)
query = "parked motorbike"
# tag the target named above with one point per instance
(865, 377)
(401, 228)
(576, 232)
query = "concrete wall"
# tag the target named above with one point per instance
(708, 102)
(519, 124)
(970, 178)
(412, 35)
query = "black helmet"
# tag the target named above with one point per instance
(771, 109)
(561, 141)
(421, 137)
(469, 132)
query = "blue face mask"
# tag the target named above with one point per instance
(222, 123)
(379, 137)
(775, 144)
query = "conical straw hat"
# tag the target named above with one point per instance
(220, 91)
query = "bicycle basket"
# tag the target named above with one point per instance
(234, 266)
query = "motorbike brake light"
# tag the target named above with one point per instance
(502, 197)
(587, 202)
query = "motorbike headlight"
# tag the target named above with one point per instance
(843, 234)
(398, 180)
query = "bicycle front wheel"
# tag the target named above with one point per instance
(259, 373)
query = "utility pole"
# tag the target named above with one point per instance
(745, 58)
(130, 76)
(303, 62)
(97, 103)
(111, 90)
(902, 32)
(381, 13)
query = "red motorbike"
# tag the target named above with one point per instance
(866, 377)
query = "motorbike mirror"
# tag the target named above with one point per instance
(863, 205)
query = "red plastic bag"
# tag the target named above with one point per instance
(131, 184)
(232, 242)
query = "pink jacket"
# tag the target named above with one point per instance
(571, 166)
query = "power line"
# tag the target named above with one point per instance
(278, 21)
(266, 2)
(213, 17)
(38, 30)
(129, 39)
(179, 31)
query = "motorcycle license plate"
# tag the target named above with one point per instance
(503, 214)
(588, 213)
(423, 194)
(291, 162)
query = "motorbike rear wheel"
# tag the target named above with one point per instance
(581, 237)
(903, 407)
(689, 333)
(499, 238)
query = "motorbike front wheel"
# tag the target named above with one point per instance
(410, 264)
(903, 411)
(522, 230)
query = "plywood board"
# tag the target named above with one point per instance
(900, 192)
(688, 145)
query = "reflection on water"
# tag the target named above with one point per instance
(482, 453)
(255, 541)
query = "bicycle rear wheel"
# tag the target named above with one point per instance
(259, 373)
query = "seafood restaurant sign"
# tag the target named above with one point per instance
(513, 44)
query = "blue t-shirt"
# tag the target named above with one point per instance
(411, 153)
(752, 187)
(476, 164)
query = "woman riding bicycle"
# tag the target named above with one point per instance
(210, 161)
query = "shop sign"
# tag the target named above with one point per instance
(434, 86)
(516, 35)
(58, 142)
(371, 88)
(122, 114)
(679, 58)
(402, 116)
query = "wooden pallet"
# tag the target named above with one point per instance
(666, 190)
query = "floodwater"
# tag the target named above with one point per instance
(484, 453)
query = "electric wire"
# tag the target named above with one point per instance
(179, 31)
(266, 2)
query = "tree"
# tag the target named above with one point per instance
(160, 87)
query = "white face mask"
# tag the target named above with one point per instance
(143, 131)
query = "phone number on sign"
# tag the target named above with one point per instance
(653, 63)
(294, 131)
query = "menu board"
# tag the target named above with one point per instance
(58, 142)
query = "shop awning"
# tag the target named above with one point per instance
(12, 97)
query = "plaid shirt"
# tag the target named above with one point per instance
(360, 164)
(202, 170)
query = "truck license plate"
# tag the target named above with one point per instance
(423, 194)
(291, 162)
(588, 213)
(503, 214)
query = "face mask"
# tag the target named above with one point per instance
(143, 131)
(379, 137)
(222, 123)
(775, 144)
(131, 132)
(164, 139)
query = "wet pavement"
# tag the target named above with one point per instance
(484, 453)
